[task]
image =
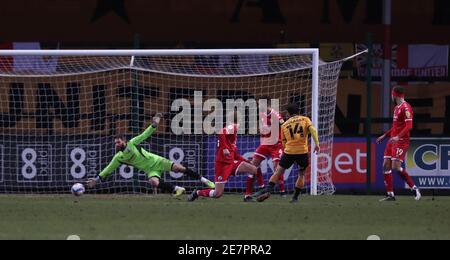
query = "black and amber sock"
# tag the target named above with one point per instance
(271, 186)
(299, 186)
(297, 193)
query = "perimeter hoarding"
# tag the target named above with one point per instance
(428, 162)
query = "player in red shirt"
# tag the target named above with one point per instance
(394, 155)
(228, 163)
(271, 147)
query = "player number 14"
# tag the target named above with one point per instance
(297, 130)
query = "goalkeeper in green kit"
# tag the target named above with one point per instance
(130, 153)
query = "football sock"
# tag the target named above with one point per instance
(260, 178)
(405, 176)
(250, 182)
(299, 186)
(388, 181)
(209, 193)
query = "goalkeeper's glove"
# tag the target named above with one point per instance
(157, 120)
(91, 183)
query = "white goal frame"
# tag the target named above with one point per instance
(136, 53)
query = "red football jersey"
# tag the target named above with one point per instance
(227, 140)
(267, 123)
(402, 114)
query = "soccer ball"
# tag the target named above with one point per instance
(78, 189)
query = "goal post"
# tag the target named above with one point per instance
(83, 89)
(315, 119)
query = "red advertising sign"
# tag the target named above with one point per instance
(349, 162)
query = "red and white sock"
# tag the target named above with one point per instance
(250, 182)
(260, 178)
(208, 193)
(405, 176)
(389, 182)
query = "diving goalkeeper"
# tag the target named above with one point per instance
(130, 153)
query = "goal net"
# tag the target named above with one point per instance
(60, 111)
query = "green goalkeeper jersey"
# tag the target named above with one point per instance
(138, 157)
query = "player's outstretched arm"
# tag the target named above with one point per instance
(264, 127)
(148, 132)
(91, 183)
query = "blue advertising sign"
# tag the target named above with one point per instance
(428, 161)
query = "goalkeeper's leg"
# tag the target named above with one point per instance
(177, 168)
(157, 183)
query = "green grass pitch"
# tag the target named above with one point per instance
(163, 217)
